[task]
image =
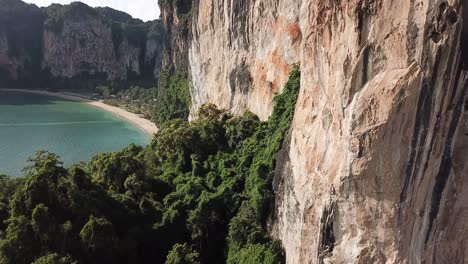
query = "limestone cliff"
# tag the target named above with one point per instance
(77, 41)
(176, 17)
(242, 52)
(20, 40)
(373, 170)
(373, 167)
(9, 65)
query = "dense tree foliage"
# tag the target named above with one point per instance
(57, 13)
(135, 99)
(173, 98)
(199, 193)
(8, 186)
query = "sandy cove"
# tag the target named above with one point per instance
(144, 124)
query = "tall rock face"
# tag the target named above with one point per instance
(176, 17)
(377, 156)
(8, 65)
(85, 45)
(20, 40)
(374, 166)
(242, 52)
(76, 41)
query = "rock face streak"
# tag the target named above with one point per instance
(373, 170)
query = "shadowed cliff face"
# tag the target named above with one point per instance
(20, 40)
(43, 46)
(176, 17)
(374, 166)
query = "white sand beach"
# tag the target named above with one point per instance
(144, 124)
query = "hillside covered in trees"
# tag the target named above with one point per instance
(201, 192)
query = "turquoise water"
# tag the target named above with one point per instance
(73, 130)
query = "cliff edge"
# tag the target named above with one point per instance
(373, 170)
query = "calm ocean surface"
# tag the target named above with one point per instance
(73, 130)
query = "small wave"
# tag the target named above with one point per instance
(54, 123)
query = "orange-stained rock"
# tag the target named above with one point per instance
(241, 53)
(375, 165)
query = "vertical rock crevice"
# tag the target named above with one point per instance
(381, 117)
(327, 234)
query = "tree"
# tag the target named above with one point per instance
(8, 187)
(182, 254)
(173, 99)
(200, 193)
(111, 170)
(42, 223)
(19, 245)
(55, 258)
(99, 240)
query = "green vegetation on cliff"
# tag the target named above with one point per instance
(199, 193)
(57, 14)
(184, 11)
(173, 98)
(169, 101)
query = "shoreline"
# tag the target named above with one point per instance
(143, 124)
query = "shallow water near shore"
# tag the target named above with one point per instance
(73, 130)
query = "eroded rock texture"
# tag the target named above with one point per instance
(7, 63)
(86, 46)
(176, 17)
(242, 52)
(44, 45)
(375, 166)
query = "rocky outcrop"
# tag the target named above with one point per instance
(242, 52)
(374, 168)
(7, 64)
(176, 17)
(376, 150)
(153, 55)
(86, 46)
(20, 40)
(76, 41)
